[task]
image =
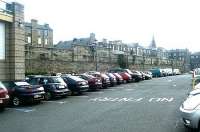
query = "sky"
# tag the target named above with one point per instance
(173, 23)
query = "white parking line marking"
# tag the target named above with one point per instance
(110, 89)
(26, 110)
(130, 99)
(58, 102)
(161, 99)
(129, 89)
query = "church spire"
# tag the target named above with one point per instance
(153, 43)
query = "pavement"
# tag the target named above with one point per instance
(147, 106)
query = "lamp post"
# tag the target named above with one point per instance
(93, 46)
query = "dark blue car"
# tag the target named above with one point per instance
(75, 84)
(22, 92)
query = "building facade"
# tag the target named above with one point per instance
(12, 58)
(38, 40)
(195, 60)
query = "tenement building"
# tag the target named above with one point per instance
(39, 40)
(12, 62)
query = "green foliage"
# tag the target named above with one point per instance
(122, 61)
(35, 73)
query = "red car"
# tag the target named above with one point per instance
(104, 78)
(4, 98)
(93, 82)
(126, 77)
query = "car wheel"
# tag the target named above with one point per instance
(16, 101)
(47, 96)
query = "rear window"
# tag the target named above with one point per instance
(76, 78)
(55, 80)
(21, 83)
(104, 75)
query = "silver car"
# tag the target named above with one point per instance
(190, 111)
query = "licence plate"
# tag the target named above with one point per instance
(61, 86)
(37, 96)
(1, 101)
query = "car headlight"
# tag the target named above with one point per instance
(41, 88)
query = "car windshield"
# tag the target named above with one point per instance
(1, 85)
(22, 83)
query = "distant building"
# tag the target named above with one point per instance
(195, 60)
(181, 55)
(38, 35)
(39, 40)
(76, 41)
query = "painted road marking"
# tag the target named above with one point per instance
(110, 89)
(131, 99)
(25, 110)
(161, 99)
(129, 89)
(58, 102)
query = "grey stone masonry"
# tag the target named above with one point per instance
(17, 43)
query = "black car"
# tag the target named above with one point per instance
(54, 86)
(76, 84)
(22, 92)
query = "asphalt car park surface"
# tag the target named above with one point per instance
(147, 106)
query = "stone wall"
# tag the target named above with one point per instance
(81, 59)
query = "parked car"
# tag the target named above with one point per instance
(137, 76)
(190, 111)
(104, 78)
(4, 97)
(113, 80)
(76, 84)
(195, 91)
(177, 72)
(120, 70)
(21, 92)
(156, 72)
(54, 86)
(147, 75)
(126, 77)
(93, 82)
(118, 78)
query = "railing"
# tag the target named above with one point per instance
(6, 8)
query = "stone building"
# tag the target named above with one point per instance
(180, 55)
(39, 40)
(12, 62)
(195, 60)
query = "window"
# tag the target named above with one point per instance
(39, 41)
(2, 41)
(46, 41)
(29, 39)
(45, 32)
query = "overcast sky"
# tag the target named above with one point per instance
(174, 23)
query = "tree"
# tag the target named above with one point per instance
(122, 61)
